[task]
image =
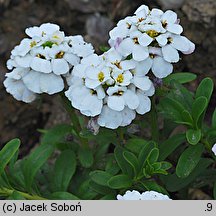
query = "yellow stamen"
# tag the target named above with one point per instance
(40, 56)
(118, 65)
(33, 43)
(60, 55)
(141, 19)
(101, 76)
(120, 78)
(152, 55)
(152, 33)
(136, 40)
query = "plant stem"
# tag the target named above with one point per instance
(8, 192)
(154, 122)
(120, 134)
(74, 120)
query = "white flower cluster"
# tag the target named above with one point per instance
(39, 63)
(148, 195)
(152, 37)
(110, 87)
(214, 149)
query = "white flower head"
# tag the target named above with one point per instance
(40, 63)
(148, 195)
(138, 35)
(108, 88)
(214, 149)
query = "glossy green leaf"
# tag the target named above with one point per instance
(180, 77)
(214, 119)
(189, 160)
(100, 189)
(35, 161)
(150, 185)
(193, 136)
(205, 88)
(100, 177)
(153, 156)
(63, 196)
(132, 160)
(64, 169)
(214, 191)
(135, 145)
(85, 157)
(119, 182)
(56, 135)
(123, 164)
(145, 152)
(174, 183)
(199, 106)
(169, 145)
(7, 153)
(112, 166)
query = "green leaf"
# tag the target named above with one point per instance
(174, 183)
(135, 145)
(100, 189)
(205, 88)
(35, 161)
(199, 106)
(112, 166)
(56, 135)
(15, 196)
(145, 152)
(63, 196)
(100, 177)
(109, 197)
(214, 191)
(7, 153)
(153, 186)
(64, 169)
(85, 157)
(169, 145)
(189, 160)
(123, 164)
(132, 160)
(153, 156)
(180, 77)
(193, 136)
(119, 182)
(214, 119)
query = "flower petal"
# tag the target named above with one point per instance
(126, 47)
(116, 103)
(41, 65)
(131, 99)
(143, 83)
(170, 54)
(60, 66)
(145, 40)
(140, 53)
(144, 105)
(110, 118)
(161, 68)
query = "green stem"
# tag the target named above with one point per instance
(154, 122)
(8, 192)
(74, 120)
(120, 134)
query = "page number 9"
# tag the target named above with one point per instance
(209, 207)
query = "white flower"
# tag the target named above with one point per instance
(148, 195)
(88, 101)
(214, 149)
(153, 195)
(130, 195)
(41, 62)
(153, 37)
(170, 22)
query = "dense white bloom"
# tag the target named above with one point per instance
(214, 149)
(40, 62)
(152, 37)
(111, 88)
(148, 195)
